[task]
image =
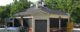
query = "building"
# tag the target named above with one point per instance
(43, 19)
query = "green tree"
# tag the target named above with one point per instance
(19, 6)
(76, 15)
(4, 12)
(16, 6)
(69, 6)
(1, 11)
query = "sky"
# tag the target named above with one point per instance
(33, 0)
(5, 2)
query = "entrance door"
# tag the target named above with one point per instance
(40, 25)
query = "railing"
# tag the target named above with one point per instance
(12, 29)
(9, 30)
(58, 30)
(76, 29)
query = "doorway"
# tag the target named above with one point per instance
(40, 25)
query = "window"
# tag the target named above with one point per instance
(15, 24)
(64, 22)
(54, 22)
(56, 25)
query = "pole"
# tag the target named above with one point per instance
(21, 21)
(59, 23)
(13, 22)
(5, 24)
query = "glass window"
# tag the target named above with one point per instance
(54, 22)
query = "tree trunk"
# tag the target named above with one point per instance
(70, 23)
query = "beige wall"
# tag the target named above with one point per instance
(57, 16)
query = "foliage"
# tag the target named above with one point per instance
(16, 6)
(76, 15)
(4, 11)
(69, 6)
(60, 4)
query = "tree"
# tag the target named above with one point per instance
(4, 12)
(16, 6)
(1, 11)
(69, 6)
(19, 6)
(75, 15)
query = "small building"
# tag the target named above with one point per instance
(43, 19)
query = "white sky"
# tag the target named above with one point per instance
(33, 0)
(4, 2)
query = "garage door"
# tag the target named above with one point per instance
(40, 25)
